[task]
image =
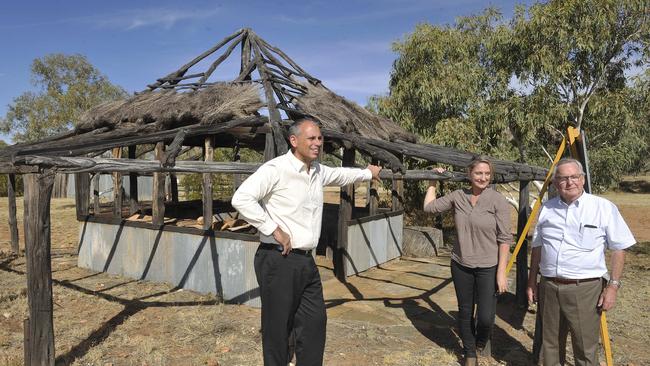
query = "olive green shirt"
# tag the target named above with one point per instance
(481, 228)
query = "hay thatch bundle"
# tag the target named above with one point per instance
(171, 109)
(339, 114)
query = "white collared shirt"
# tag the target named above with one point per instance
(283, 193)
(574, 237)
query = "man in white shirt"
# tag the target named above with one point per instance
(572, 233)
(283, 199)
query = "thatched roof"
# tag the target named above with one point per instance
(339, 114)
(169, 109)
(185, 106)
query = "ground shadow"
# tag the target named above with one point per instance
(510, 312)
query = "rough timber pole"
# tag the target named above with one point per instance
(82, 194)
(158, 196)
(208, 154)
(38, 191)
(522, 256)
(398, 192)
(345, 214)
(133, 185)
(13, 223)
(117, 186)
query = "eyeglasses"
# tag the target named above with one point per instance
(565, 179)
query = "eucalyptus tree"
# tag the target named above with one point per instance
(66, 86)
(509, 88)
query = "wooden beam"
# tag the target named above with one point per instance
(82, 193)
(208, 154)
(96, 190)
(38, 191)
(134, 205)
(522, 256)
(158, 196)
(13, 222)
(93, 142)
(373, 195)
(174, 187)
(274, 114)
(397, 193)
(117, 186)
(345, 214)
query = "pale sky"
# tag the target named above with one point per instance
(346, 44)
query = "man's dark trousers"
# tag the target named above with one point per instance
(292, 299)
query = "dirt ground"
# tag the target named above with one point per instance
(400, 314)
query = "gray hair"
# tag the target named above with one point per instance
(565, 161)
(294, 129)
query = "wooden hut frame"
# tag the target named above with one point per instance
(288, 92)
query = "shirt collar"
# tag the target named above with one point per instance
(296, 163)
(577, 202)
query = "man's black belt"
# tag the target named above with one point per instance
(278, 247)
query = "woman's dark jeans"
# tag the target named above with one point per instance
(474, 286)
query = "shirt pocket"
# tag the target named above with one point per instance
(590, 237)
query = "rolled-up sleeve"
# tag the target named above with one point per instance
(504, 233)
(246, 199)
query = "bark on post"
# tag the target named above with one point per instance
(82, 193)
(397, 192)
(133, 185)
(158, 197)
(13, 222)
(96, 207)
(373, 195)
(38, 191)
(522, 256)
(345, 214)
(117, 186)
(208, 153)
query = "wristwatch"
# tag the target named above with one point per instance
(615, 283)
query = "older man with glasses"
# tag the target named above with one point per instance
(569, 242)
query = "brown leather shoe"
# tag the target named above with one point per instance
(470, 361)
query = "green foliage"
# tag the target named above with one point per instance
(509, 89)
(67, 86)
(222, 184)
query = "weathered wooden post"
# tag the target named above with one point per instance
(117, 187)
(82, 194)
(522, 256)
(373, 195)
(208, 155)
(133, 184)
(397, 190)
(38, 191)
(13, 222)
(345, 214)
(158, 196)
(96, 207)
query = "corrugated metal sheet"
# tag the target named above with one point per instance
(201, 263)
(373, 243)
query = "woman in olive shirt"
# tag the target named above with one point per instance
(479, 258)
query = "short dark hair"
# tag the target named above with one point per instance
(294, 129)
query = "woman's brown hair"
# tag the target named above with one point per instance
(478, 160)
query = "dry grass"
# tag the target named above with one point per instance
(102, 319)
